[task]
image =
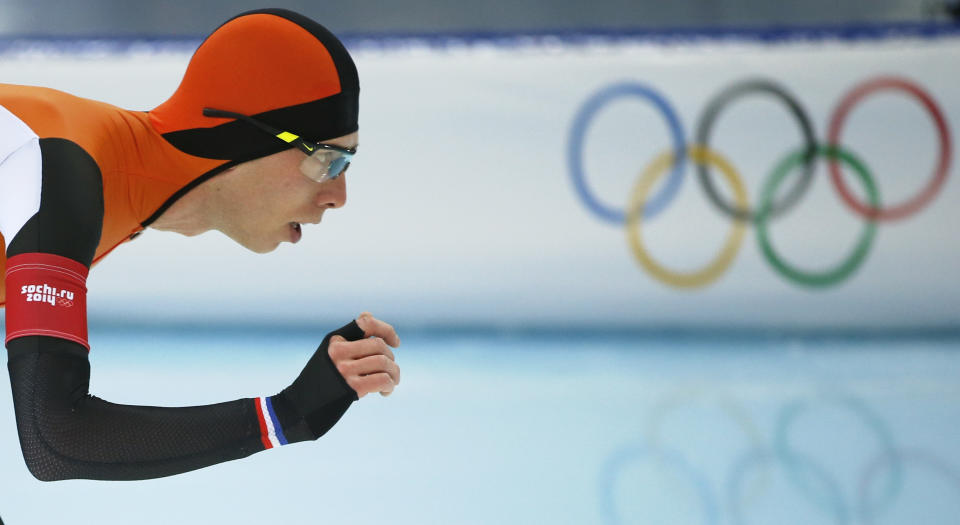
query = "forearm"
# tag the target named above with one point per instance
(66, 433)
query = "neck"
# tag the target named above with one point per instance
(189, 215)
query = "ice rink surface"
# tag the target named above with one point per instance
(547, 428)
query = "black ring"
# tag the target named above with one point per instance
(703, 135)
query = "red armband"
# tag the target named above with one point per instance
(46, 295)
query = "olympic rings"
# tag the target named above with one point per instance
(911, 206)
(847, 267)
(578, 135)
(710, 114)
(714, 269)
(740, 210)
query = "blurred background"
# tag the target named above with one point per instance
(651, 262)
(164, 18)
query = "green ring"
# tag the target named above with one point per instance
(847, 267)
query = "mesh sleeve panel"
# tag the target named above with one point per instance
(65, 433)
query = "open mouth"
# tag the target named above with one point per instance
(295, 232)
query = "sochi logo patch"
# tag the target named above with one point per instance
(52, 298)
(45, 293)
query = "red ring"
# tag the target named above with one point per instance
(940, 173)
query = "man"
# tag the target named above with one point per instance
(253, 143)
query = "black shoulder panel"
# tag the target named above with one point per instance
(70, 219)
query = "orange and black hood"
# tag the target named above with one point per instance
(275, 65)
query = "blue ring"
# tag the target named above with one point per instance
(579, 131)
(608, 480)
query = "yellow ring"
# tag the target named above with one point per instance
(650, 175)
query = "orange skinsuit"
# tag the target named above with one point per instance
(273, 67)
(140, 169)
(149, 159)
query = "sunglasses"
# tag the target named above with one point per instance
(324, 161)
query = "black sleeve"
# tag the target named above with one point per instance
(66, 433)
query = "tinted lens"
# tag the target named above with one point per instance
(339, 165)
(325, 164)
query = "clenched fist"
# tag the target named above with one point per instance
(351, 362)
(368, 364)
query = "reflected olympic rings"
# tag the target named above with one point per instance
(861, 497)
(641, 208)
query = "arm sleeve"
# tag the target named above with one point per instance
(67, 433)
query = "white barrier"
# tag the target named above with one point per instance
(462, 207)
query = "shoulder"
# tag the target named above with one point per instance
(52, 113)
(69, 217)
(40, 108)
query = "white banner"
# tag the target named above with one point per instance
(464, 207)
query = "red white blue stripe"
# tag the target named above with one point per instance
(271, 433)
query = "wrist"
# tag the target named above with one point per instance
(271, 425)
(313, 403)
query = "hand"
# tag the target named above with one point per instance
(368, 365)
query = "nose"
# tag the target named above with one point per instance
(332, 193)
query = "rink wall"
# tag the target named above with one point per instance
(495, 175)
